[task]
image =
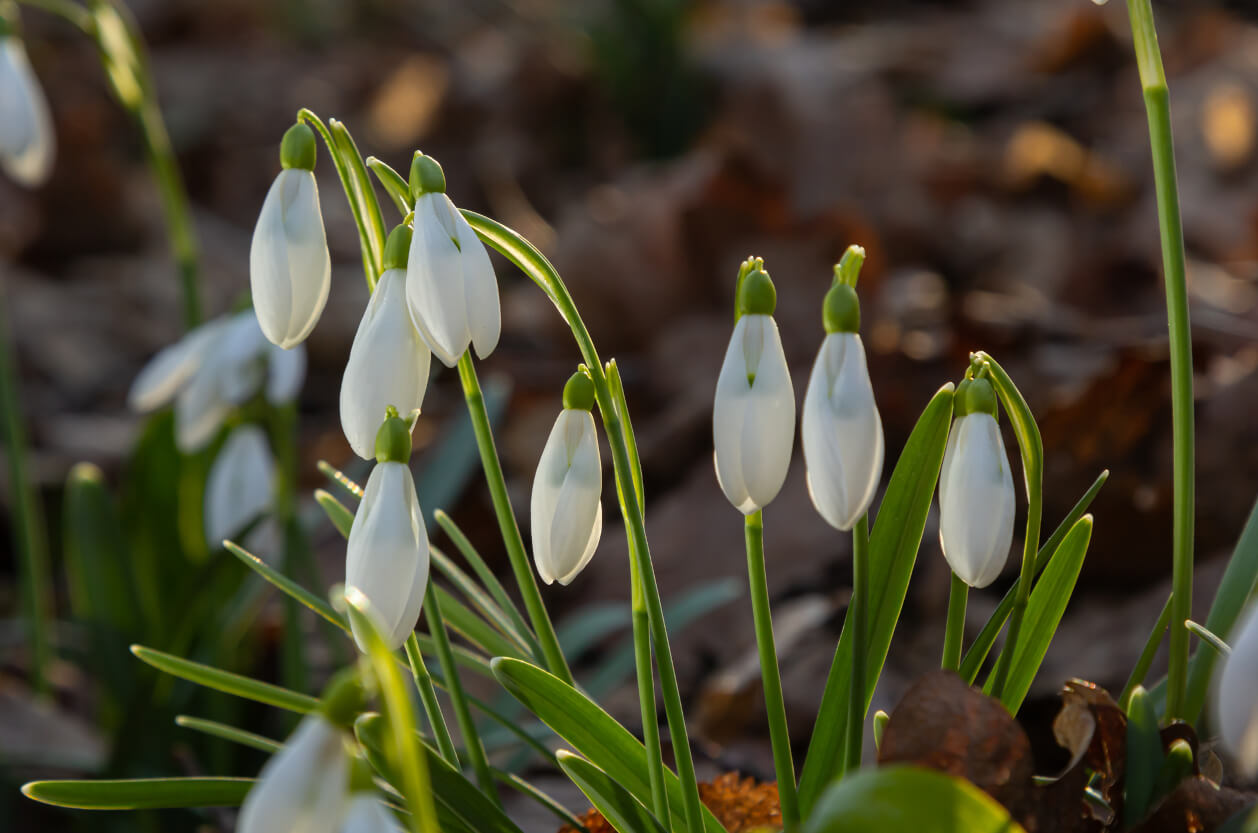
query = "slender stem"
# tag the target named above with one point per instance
(1157, 105)
(28, 523)
(954, 633)
(860, 640)
(538, 617)
(774, 703)
(432, 708)
(1145, 660)
(454, 686)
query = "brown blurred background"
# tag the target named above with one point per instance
(992, 158)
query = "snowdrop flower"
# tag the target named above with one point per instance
(842, 431)
(450, 282)
(240, 487)
(214, 368)
(753, 420)
(387, 553)
(388, 362)
(368, 814)
(1236, 696)
(566, 513)
(290, 270)
(303, 788)
(975, 488)
(27, 143)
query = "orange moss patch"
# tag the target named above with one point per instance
(741, 804)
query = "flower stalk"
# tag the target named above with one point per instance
(954, 631)
(428, 697)
(860, 642)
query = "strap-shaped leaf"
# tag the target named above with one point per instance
(140, 793)
(286, 585)
(1144, 757)
(338, 513)
(482, 570)
(226, 681)
(394, 185)
(618, 806)
(226, 732)
(475, 629)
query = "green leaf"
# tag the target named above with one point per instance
(618, 806)
(483, 603)
(286, 585)
(475, 629)
(592, 732)
(893, 546)
(394, 185)
(226, 681)
(905, 799)
(340, 516)
(543, 799)
(340, 478)
(362, 190)
(97, 572)
(119, 55)
(482, 570)
(231, 733)
(1144, 756)
(454, 459)
(140, 793)
(1043, 613)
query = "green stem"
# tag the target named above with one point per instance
(955, 630)
(72, 12)
(283, 439)
(1157, 105)
(454, 686)
(538, 617)
(539, 269)
(1151, 645)
(428, 696)
(28, 524)
(774, 703)
(860, 640)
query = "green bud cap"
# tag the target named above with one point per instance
(393, 440)
(297, 150)
(756, 295)
(841, 312)
(343, 698)
(975, 396)
(578, 393)
(848, 269)
(398, 247)
(426, 176)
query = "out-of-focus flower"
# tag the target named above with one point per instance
(976, 497)
(240, 488)
(566, 512)
(368, 814)
(1236, 696)
(450, 282)
(290, 270)
(303, 786)
(387, 555)
(27, 142)
(388, 362)
(753, 419)
(212, 369)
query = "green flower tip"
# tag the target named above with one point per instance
(426, 176)
(974, 396)
(578, 393)
(343, 698)
(756, 295)
(848, 269)
(841, 312)
(88, 473)
(393, 440)
(297, 150)
(398, 247)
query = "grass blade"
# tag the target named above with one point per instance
(140, 793)
(226, 681)
(618, 806)
(231, 733)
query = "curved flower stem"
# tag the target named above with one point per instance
(860, 639)
(432, 707)
(454, 686)
(538, 617)
(774, 703)
(954, 632)
(526, 256)
(1157, 105)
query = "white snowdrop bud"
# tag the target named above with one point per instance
(303, 786)
(1236, 696)
(27, 143)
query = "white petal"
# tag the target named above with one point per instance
(728, 412)
(238, 358)
(302, 788)
(1236, 695)
(768, 430)
(286, 371)
(387, 553)
(172, 367)
(565, 509)
(240, 485)
(290, 269)
(200, 410)
(27, 141)
(434, 280)
(484, 312)
(388, 365)
(368, 814)
(976, 500)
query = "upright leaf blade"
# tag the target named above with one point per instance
(226, 681)
(618, 806)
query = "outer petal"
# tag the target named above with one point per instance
(27, 141)
(388, 365)
(241, 484)
(200, 410)
(976, 500)
(368, 814)
(484, 311)
(434, 280)
(238, 358)
(387, 554)
(576, 524)
(728, 413)
(302, 788)
(768, 430)
(172, 367)
(842, 432)
(1236, 696)
(290, 270)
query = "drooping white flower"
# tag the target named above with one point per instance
(211, 370)
(450, 283)
(387, 553)
(27, 142)
(1236, 696)
(566, 511)
(368, 814)
(753, 419)
(290, 270)
(388, 362)
(842, 432)
(976, 496)
(240, 486)
(303, 787)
